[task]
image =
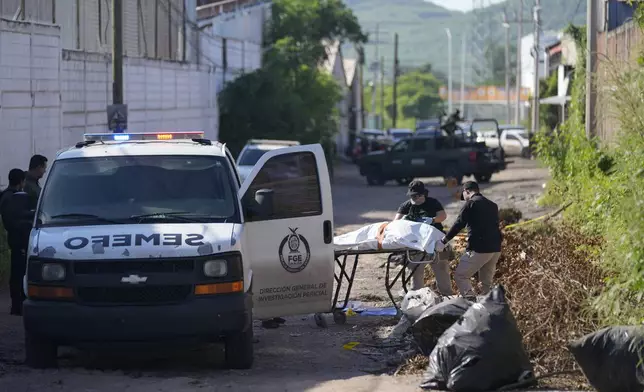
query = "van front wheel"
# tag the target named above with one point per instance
(40, 353)
(239, 349)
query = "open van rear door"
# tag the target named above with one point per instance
(288, 231)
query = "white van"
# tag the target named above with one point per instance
(152, 237)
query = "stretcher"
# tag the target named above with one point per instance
(347, 263)
(402, 241)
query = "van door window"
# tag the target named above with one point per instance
(296, 187)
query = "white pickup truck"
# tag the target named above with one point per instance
(514, 140)
(153, 237)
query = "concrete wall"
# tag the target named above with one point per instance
(49, 96)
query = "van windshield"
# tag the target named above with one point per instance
(138, 189)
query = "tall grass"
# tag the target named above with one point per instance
(606, 184)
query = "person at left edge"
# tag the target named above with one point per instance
(17, 219)
(422, 208)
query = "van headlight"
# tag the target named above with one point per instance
(53, 271)
(215, 268)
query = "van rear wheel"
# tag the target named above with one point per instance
(40, 353)
(239, 349)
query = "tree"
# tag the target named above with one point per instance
(289, 97)
(418, 97)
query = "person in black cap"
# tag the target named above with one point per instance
(422, 208)
(481, 217)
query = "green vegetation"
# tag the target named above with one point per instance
(417, 98)
(606, 187)
(290, 97)
(421, 26)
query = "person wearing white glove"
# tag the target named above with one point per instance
(481, 218)
(422, 208)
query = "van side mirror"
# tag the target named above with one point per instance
(261, 206)
(264, 201)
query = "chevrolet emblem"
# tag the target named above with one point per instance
(134, 279)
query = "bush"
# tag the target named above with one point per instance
(606, 186)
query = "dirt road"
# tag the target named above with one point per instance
(299, 356)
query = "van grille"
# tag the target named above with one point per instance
(133, 267)
(134, 295)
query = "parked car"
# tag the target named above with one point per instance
(514, 139)
(254, 149)
(369, 140)
(397, 134)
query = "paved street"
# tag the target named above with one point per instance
(299, 356)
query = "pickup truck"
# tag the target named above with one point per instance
(432, 156)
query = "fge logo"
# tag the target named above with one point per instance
(292, 257)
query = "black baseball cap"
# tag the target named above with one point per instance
(417, 188)
(469, 186)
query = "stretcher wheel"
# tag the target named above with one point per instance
(339, 317)
(319, 320)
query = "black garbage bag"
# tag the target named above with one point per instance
(435, 320)
(482, 351)
(612, 358)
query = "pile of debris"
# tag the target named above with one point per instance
(549, 273)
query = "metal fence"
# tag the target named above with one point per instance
(617, 49)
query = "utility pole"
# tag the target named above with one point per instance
(117, 112)
(463, 50)
(382, 92)
(449, 71)
(591, 53)
(395, 97)
(117, 52)
(519, 21)
(537, 52)
(507, 65)
(375, 64)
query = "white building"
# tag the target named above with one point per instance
(546, 39)
(56, 79)
(232, 34)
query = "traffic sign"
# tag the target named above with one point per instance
(117, 118)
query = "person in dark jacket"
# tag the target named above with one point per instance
(17, 219)
(37, 170)
(16, 184)
(481, 217)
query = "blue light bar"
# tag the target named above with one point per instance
(161, 136)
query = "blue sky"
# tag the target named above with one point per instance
(459, 5)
